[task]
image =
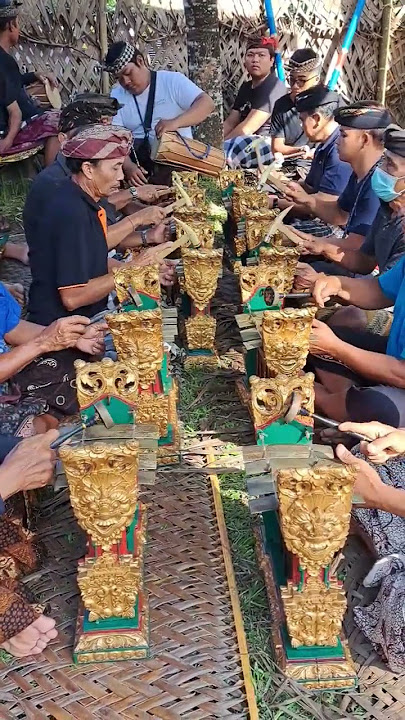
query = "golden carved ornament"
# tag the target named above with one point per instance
(106, 641)
(97, 380)
(253, 277)
(283, 262)
(258, 223)
(153, 410)
(196, 195)
(231, 177)
(103, 487)
(190, 215)
(204, 229)
(142, 279)
(187, 178)
(109, 586)
(285, 336)
(314, 507)
(200, 331)
(247, 199)
(334, 674)
(314, 614)
(201, 272)
(270, 397)
(111, 656)
(139, 334)
(240, 245)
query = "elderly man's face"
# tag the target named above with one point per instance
(104, 178)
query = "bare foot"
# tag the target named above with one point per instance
(33, 639)
(17, 251)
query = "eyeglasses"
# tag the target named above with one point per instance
(300, 81)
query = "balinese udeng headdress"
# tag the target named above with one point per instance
(98, 142)
(9, 8)
(300, 62)
(263, 42)
(364, 115)
(125, 56)
(394, 140)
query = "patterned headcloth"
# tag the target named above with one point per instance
(98, 142)
(125, 56)
(303, 60)
(263, 42)
(363, 115)
(105, 105)
(394, 140)
(9, 8)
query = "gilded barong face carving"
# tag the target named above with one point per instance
(188, 179)
(196, 195)
(283, 262)
(153, 410)
(201, 271)
(139, 334)
(142, 279)
(315, 613)
(97, 380)
(314, 508)
(257, 226)
(200, 331)
(103, 487)
(109, 586)
(204, 231)
(285, 337)
(245, 200)
(231, 177)
(270, 398)
(254, 277)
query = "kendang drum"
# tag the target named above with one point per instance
(173, 149)
(46, 97)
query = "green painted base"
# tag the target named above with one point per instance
(257, 304)
(251, 364)
(282, 433)
(147, 303)
(113, 639)
(121, 413)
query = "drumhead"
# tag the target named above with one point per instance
(53, 96)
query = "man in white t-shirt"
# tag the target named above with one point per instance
(178, 104)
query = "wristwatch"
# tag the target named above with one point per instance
(134, 192)
(144, 238)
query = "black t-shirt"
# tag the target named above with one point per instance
(70, 250)
(286, 123)
(7, 97)
(17, 82)
(386, 239)
(39, 197)
(262, 97)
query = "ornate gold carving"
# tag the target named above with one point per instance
(231, 177)
(139, 334)
(201, 272)
(103, 487)
(247, 199)
(196, 195)
(253, 277)
(200, 331)
(204, 230)
(109, 586)
(153, 410)
(283, 262)
(112, 655)
(240, 245)
(315, 504)
(203, 361)
(188, 178)
(189, 215)
(285, 336)
(97, 380)
(315, 613)
(271, 395)
(324, 675)
(258, 223)
(106, 641)
(142, 279)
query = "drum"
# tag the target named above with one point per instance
(46, 97)
(173, 149)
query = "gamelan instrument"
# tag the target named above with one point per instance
(173, 149)
(46, 97)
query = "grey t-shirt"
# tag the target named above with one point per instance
(386, 238)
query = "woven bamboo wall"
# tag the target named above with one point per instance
(64, 37)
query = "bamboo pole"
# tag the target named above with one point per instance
(384, 51)
(102, 25)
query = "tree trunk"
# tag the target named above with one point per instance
(204, 63)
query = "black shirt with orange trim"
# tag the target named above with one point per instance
(70, 250)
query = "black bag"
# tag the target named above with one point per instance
(141, 148)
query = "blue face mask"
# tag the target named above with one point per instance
(383, 185)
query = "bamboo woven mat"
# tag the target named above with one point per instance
(195, 669)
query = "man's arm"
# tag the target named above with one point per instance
(250, 124)
(321, 205)
(82, 295)
(365, 293)
(380, 368)
(351, 259)
(278, 145)
(231, 122)
(196, 113)
(14, 125)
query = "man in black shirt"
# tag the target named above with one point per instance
(251, 113)
(70, 265)
(288, 136)
(33, 126)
